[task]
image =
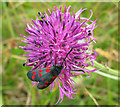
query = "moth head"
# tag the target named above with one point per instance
(59, 68)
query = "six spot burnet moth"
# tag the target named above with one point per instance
(46, 76)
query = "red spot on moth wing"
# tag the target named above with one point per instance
(50, 82)
(40, 85)
(43, 79)
(46, 82)
(34, 73)
(48, 70)
(33, 77)
(54, 77)
(45, 85)
(48, 67)
(40, 70)
(40, 75)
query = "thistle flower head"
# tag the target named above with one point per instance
(52, 36)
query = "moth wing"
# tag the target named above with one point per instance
(45, 83)
(31, 75)
(42, 85)
(39, 74)
(45, 76)
(46, 73)
(34, 75)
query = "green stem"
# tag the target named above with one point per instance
(104, 74)
(105, 69)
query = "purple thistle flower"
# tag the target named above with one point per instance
(57, 33)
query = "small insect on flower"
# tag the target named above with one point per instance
(46, 76)
(59, 46)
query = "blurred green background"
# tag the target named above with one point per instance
(17, 88)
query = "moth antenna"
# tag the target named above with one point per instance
(67, 55)
(51, 56)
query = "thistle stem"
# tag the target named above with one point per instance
(105, 71)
